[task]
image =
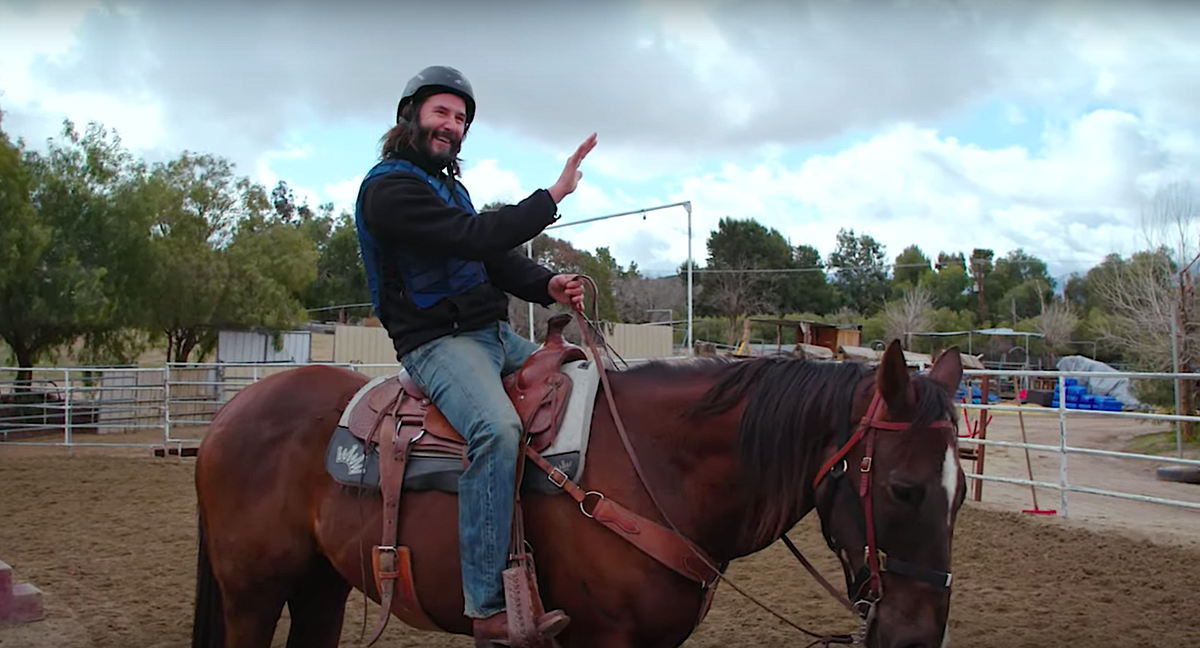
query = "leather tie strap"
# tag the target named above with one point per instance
(668, 548)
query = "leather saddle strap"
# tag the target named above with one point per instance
(667, 547)
(390, 562)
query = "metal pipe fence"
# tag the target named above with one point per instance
(173, 405)
(1065, 448)
(94, 404)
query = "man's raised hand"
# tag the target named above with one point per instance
(569, 180)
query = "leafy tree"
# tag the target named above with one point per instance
(912, 268)
(76, 254)
(23, 243)
(948, 285)
(807, 291)
(733, 284)
(193, 204)
(1018, 286)
(861, 276)
(340, 278)
(274, 261)
(225, 256)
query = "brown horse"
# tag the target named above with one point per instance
(736, 453)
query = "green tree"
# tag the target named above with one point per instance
(861, 275)
(194, 203)
(950, 282)
(808, 290)
(23, 242)
(733, 283)
(912, 268)
(1017, 287)
(78, 253)
(341, 278)
(274, 261)
(225, 255)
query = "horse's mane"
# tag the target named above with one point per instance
(794, 407)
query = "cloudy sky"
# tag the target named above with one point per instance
(949, 124)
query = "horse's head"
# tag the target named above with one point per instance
(888, 495)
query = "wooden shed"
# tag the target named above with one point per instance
(804, 336)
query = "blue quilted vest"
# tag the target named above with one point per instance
(427, 278)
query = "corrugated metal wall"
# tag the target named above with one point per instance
(640, 341)
(364, 345)
(252, 346)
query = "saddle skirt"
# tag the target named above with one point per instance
(554, 394)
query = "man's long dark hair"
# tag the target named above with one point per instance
(407, 135)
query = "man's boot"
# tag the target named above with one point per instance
(493, 631)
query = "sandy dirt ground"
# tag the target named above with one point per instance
(109, 536)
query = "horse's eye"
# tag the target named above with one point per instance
(908, 494)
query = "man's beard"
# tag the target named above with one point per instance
(425, 145)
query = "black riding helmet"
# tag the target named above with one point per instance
(438, 78)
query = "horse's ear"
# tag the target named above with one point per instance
(892, 380)
(948, 369)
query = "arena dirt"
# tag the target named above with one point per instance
(111, 541)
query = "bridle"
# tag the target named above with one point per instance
(876, 561)
(867, 585)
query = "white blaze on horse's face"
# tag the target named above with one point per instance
(950, 480)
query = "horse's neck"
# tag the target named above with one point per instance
(692, 463)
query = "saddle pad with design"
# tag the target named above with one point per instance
(349, 463)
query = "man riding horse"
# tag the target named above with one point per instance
(438, 272)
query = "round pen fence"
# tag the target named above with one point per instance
(108, 406)
(1084, 443)
(1052, 452)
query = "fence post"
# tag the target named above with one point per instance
(166, 404)
(67, 406)
(1062, 444)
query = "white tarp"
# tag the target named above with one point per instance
(1117, 387)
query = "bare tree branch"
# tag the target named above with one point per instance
(1171, 219)
(1056, 323)
(1141, 300)
(911, 314)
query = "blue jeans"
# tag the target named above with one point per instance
(461, 375)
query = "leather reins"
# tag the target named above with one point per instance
(876, 562)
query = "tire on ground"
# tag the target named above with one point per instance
(1183, 474)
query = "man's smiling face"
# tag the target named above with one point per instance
(443, 122)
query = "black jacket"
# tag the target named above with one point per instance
(400, 209)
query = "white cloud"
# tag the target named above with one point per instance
(487, 182)
(670, 86)
(343, 194)
(660, 82)
(1074, 203)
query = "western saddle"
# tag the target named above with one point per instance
(395, 418)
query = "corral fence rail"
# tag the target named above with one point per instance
(1066, 446)
(81, 406)
(172, 405)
